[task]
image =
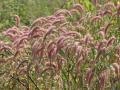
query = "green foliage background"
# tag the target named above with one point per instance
(28, 10)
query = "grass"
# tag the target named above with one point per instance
(67, 49)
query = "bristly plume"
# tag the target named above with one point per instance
(17, 18)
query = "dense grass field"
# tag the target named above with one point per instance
(59, 45)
